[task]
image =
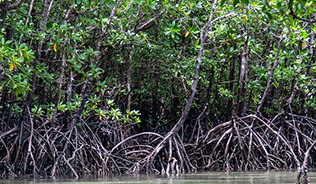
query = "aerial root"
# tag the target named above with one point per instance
(37, 148)
(244, 143)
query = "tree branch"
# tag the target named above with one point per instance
(300, 18)
(15, 5)
(148, 23)
(270, 73)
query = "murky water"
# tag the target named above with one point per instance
(264, 177)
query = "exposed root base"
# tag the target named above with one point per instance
(242, 144)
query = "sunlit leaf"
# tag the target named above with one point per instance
(304, 45)
(187, 33)
(11, 67)
(118, 10)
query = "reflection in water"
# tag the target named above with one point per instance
(263, 177)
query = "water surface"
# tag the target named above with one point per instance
(259, 177)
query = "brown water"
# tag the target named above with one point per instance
(262, 177)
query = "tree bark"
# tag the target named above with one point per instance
(307, 73)
(46, 10)
(105, 29)
(243, 79)
(179, 124)
(270, 73)
(232, 79)
(5, 7)
(27, 19)
(61, 79)
(128, 80)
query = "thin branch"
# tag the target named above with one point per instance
(300, 18)
(271, 73)
(148, 23)
(15, 5)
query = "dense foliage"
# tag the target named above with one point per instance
(125, 67)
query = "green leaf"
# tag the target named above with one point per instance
(223, 2)
(235, 2)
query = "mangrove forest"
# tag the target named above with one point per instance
(98, 87)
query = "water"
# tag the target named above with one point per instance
(263, 177)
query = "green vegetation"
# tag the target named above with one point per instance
(82, 76)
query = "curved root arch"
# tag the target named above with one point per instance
(244, 143)
(250, 143)
(128, 155)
